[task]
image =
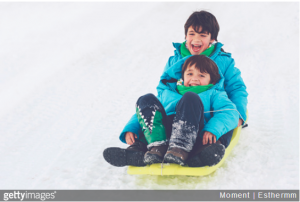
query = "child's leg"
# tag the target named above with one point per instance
(154, 123)
(186, 125)
(206, 155)
(226, 138)
(132, 155)
(152, 118)
(209, 154)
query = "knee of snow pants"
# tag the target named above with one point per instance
(189, 119)
(152, 119)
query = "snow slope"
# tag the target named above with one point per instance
(70, 74)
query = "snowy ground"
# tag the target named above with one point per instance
(70, 74)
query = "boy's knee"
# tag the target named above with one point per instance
(147, 99)
(148, 96)
(191, 98)
(190, 95)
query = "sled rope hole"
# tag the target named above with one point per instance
(225, 110)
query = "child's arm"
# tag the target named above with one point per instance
(235, 87)
(132, 126)
(225, 117)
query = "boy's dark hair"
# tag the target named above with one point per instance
(203, 19)
(204, 65)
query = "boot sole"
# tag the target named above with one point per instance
(170, 158)
(208, 157)
(152, 158)
(123, 157)
(195, 161)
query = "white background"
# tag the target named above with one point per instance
(70, 74)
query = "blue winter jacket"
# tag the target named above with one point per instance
(218, 123)
(233, 82)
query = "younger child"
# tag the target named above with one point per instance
(176, 126)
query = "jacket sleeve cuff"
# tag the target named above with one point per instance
(132, 126)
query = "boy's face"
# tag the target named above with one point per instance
(197, 42)
(193, 77)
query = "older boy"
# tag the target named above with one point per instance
(201, 31)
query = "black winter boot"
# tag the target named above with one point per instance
(133, 155)
(206, 155)
(176, 155)
(155, 155)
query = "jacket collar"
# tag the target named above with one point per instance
(218, 47)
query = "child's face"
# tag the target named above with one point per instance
(197, 43)
(193, 77)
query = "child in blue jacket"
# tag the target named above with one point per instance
(175, 125)
(201, 32)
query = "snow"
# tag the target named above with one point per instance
(183, 134)
(70, 75)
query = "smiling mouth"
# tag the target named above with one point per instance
(196, 48)
(194, 84)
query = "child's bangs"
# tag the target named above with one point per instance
(201, 68)
(203, 31)
(198, 65)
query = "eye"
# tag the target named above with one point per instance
(202, 76)
(189, 74)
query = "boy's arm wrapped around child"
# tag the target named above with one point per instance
(225, 117)
(233, 83)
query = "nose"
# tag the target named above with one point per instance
(194, 78)
(197, 38)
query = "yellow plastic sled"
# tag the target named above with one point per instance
(175, 169)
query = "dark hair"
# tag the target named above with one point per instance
(203, 19)
(204, 65)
